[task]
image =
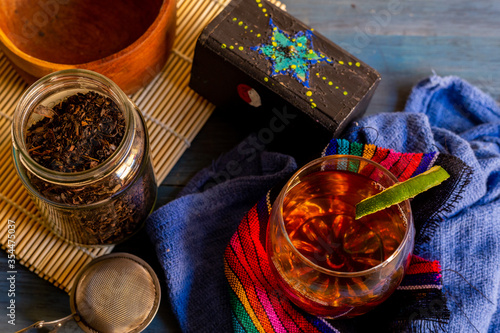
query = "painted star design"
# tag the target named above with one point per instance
(293, 55)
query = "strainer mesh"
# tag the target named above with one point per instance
(116, 295)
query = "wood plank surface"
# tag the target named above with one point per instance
(450, 37)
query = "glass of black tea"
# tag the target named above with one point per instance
(324, 260)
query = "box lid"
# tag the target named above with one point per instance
(292, 60)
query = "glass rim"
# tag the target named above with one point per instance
(288, 186)
(69, 178)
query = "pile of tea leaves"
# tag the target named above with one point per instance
(78, 134)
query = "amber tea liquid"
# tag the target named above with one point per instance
(318, 215)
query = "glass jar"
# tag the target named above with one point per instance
(106, 203)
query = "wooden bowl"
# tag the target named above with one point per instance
(127, 40)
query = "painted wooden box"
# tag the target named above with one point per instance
(258, 53)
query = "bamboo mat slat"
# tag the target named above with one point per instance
(174, 115)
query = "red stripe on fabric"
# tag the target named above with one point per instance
(412, 166)
(419, 265)
(248, 232)
(390, 159)
(421, 268)
(398, 168)
(380, 154)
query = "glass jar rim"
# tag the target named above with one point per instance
(29, 97)
(320, 160)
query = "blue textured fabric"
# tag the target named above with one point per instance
(191, 233)
(456, 117)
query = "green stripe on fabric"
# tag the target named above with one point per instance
(244, 320)
(356, 149)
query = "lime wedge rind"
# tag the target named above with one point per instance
(402, 191)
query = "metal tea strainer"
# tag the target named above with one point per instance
(118, 292)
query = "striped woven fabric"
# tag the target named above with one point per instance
(403, 166)
(256, 301)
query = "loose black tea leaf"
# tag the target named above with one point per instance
(78, 134)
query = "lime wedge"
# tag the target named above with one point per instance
(402, 191)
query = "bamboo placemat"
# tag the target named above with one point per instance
(174, 115)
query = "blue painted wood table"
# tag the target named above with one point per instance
(405, 40)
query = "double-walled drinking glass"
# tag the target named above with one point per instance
(123, 187)
(327, 262)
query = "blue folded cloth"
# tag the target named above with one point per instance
(456, 117)
(191, 232)
(448, 114)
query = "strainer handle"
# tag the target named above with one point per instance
(56, 323)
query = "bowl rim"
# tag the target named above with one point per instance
(9, 44)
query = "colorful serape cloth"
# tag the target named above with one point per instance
(417, 305)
